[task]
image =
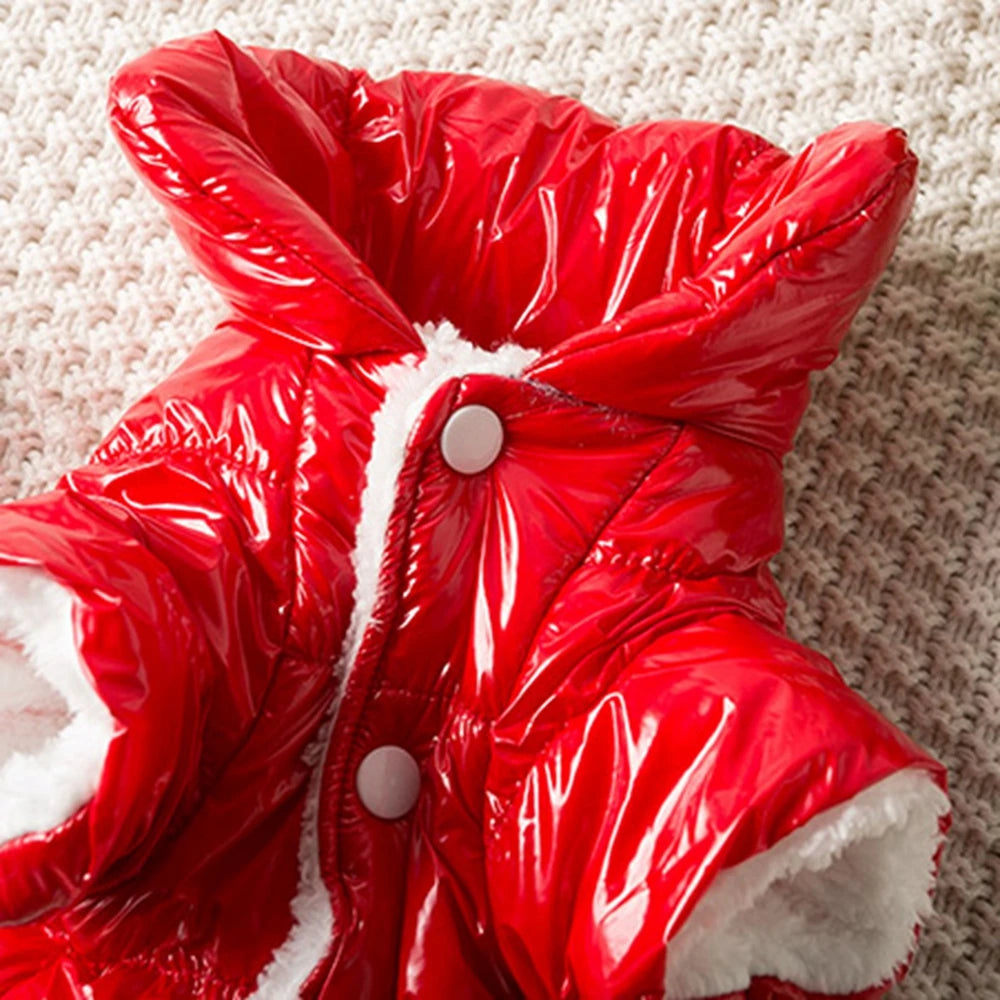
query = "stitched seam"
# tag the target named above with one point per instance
(145, 960)
(829, 228)
(671, 565)
(756, 145)
(652, 561)
(182, 977)
(761, 145)
(272, 477)
(292, 492)
(426, 696)
(338, 792)
(293, 580)
(626, 496)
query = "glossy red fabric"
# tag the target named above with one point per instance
(558, 641)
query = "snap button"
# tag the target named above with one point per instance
(388, 782)
(472, 439)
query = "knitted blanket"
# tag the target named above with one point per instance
(892, 564)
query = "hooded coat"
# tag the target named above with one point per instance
(416, 637)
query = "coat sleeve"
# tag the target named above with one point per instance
(727, 814)
(101, 740)
(143, 606)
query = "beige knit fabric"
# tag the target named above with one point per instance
(892, 565)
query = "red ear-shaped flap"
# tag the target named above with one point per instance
(243, 148)
(731, 346)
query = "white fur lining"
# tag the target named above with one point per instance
(410, 383)
(54, 729)
(831, 908)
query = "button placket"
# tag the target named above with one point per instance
(388, 778)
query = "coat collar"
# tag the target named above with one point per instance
(682, 270)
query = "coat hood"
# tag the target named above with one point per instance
(681, 270)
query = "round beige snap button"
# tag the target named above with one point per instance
(472, 439)
(388, 782)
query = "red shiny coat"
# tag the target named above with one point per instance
(580, 646)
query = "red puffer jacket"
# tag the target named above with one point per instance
(416, 637)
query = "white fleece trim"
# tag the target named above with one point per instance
(54, 729)
(831, 908)
(410, 383)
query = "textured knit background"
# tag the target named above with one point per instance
(892, 565)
